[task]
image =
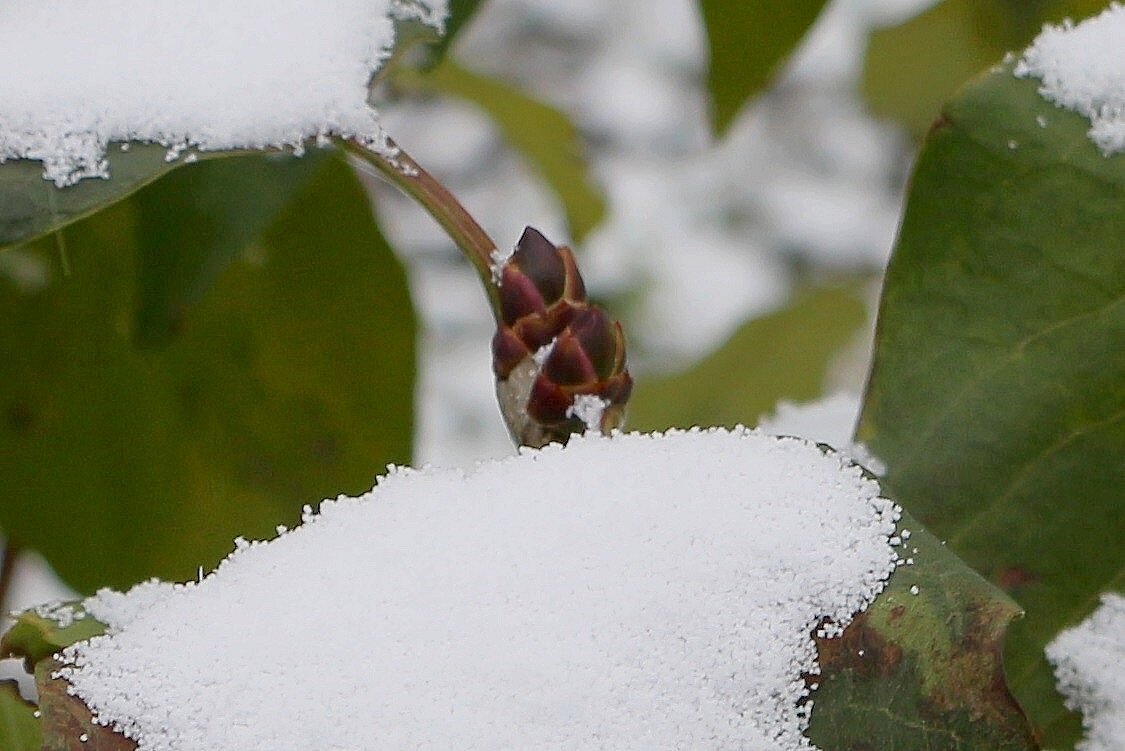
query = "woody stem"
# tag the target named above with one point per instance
(400, 169)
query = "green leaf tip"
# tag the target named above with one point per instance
(38, 634)
(748, 42)
(922, 668)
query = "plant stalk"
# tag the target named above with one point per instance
(400, 169)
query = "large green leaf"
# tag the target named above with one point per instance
(783, 355)
(541, 133)
(291, 381)
(195, 221)
(749, 39)
(914, 68)
(997, 398)
(19, 727)
(922, 668)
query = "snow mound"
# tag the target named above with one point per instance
(633, 592)
(1082, 68)
(1088, 660)
(831, 419)
(208, 74)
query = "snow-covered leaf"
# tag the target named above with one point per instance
(31, 206)
(996, 398)
(644, 591)
(749, 39)
(78, 79)
(290, 380)
(922, 668)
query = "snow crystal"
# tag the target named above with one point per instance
(631, 592)
(1088, 660)
(1082, 68)
(207, 74)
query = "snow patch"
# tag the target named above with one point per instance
(1082, 68)
(631, 592)
(208, 74)
(1088, 660)
(588, 408)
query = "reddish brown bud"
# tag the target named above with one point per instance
(581, 381)
(539, 260)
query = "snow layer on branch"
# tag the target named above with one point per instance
(634, 592)
(212, 74)
(1083, 69)
(1088, 661)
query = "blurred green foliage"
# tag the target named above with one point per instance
(748, 42)
(290, 381)
(781, 355)
(541, 133)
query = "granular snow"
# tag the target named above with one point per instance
(208, 74)
(1082, 68)
(1088, 660)
(631, 592)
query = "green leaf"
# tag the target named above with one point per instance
(996, 398)
(914, 68)
(31, 207)
(749, 40)
(783, 355)
(198, 219)
(19, 727)
(922, 667)
(35, 637)
(543, 134)
(290, 382)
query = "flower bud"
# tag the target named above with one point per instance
(559, 361)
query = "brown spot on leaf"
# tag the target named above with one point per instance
(66, 719)
(972, 675)
(1015, 578)
(860, 649)
(897, 612)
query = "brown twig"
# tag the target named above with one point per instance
(400, 169)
